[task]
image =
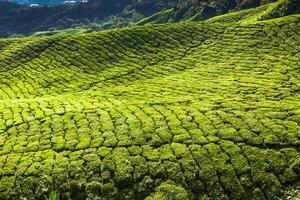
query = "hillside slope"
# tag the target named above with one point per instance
(198, 10)
(18, 20)
(104, 14)
(193, 110)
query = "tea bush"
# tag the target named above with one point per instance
(191, 110)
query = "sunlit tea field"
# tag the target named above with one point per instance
(190, 110)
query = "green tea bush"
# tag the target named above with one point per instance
(190, 110)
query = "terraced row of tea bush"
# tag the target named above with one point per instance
(193, 110)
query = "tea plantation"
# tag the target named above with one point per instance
(190, 110)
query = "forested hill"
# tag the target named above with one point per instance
(203, 9)
(23, 19)
(197, 10)
(106, 14)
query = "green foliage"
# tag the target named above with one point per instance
(169, 190)
(157, 18)
(53, 196)
(191, 110)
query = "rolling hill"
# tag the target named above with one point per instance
(188, 110)
(22, 20)
(198, 10)
(93, 15)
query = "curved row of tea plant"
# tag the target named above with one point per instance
(179, 111)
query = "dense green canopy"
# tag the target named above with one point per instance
(190, 110)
